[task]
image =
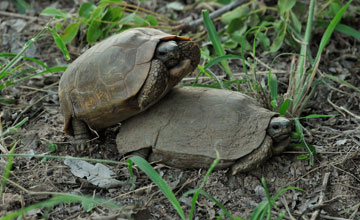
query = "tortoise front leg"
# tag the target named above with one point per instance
(81, 134)
(160, 80)
(154, 86)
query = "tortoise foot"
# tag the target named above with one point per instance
(81, 134)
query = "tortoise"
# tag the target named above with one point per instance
(121, 77)
(188, 126)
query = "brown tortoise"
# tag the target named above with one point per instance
(121, 77)
(188, 126)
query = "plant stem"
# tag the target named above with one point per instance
(301, 65)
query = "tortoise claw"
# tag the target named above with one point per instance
(81, 146)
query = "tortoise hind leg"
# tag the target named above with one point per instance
(81, 134)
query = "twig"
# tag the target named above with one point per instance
(332, 218)
(341, 109)
(37, 89)
(133, 191)
(322, 195)
(284, 202)
(15, 15)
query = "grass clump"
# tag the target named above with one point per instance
(242, 24)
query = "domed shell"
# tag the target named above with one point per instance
(98, 86)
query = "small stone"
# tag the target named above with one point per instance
(332, 70)
(260, 191)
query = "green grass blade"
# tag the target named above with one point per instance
(214, 38)
(342, 28)
(25, 58)
(260, 211)
(330, 29)
(273, 86)
(284, 107)
(337, 79)
(299, 130)
(196, 195)
(267, 192)
(155, 177)
(66, 198)
(204, 193)
(348, 31)
(304, 45)
(60, 43)
(213, 34)
(7, 169)
(211, 75)
(317, 116)
(220, 59)
(14, 128)
(3, 75)
(130, 168)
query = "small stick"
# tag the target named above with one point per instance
(332, 218)
(322, 195)
(15, 15)
(340, 109)
(284, 202)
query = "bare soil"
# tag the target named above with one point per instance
(331, 185)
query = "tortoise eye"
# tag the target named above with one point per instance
(275, 126)
(162, 53)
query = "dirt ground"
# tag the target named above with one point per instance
(331, 185)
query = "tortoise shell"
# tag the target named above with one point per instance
(100, 86)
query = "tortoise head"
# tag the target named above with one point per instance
(168, 52)
(279, 130)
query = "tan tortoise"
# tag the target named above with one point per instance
(121, 77)
(185, 127)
